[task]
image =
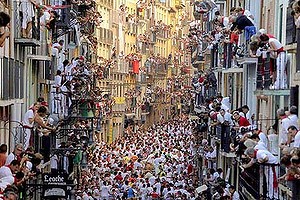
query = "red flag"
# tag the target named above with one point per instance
(135, 66)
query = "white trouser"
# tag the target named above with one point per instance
(272, 192)
(281, 82)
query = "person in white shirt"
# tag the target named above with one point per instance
(259, 144)
(56, 102)
(266, 157)
(28, 122)
(285, 124)
(224, 117)
(293, 116)
(234, 194)
(294, 135)
(15, 154)
(273, 141)
(6, 173)
(57, 47)
(105, 189)
(263, 138)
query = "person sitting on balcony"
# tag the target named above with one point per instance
(265, 157)
(27, 10)
(4, 32)
(277, 52)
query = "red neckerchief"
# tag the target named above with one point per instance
(275, 182)
(255, 152)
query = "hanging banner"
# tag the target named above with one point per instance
(135, 66)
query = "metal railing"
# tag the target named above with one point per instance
(12, 75)
(26, 15)
(259, 181)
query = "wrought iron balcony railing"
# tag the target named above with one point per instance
(27, 23)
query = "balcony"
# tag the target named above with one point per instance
(27, 32)
(115, 17)
(12, 76)
(106, 3)
(106, 35)
(257, 182)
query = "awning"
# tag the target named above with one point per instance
(39, 57)
(129, 114)
(247, 60)
(193, 117)
(233, 70)
(272, 92)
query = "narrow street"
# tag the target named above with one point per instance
(148, 164)
(149, 99)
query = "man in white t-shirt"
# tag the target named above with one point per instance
(28, 122)
(270, 170)
(293, 112)
(6, 173)
(285, 124)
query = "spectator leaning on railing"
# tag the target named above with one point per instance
(270, 168)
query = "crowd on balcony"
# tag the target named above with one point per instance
(236, 36)
(238, 132)
(17, 168)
